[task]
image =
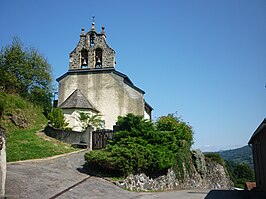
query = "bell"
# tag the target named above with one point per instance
(84, 62)
(98, 61)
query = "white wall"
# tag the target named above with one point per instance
(107, 92)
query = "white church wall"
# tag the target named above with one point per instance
(107, 92)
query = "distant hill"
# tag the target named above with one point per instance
(239, 155)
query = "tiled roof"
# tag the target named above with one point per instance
(77, 100)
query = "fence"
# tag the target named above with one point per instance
(100, 138)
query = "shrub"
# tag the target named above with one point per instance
(132, 155)
(182, 131)
(138, 147)
(57, 118)
(215, 157)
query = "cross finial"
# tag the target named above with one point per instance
(92, 24)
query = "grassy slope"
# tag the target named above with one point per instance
(23, 144)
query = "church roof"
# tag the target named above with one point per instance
(77, 100)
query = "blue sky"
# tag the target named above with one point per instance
(204, 59)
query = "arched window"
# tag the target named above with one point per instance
(84, 58)
(98, 58)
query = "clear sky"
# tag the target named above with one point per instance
(204, 59)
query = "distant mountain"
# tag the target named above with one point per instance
(239, 155)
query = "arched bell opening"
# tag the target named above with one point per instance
(98, 58)
(84, 58)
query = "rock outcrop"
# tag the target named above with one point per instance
(204, 174)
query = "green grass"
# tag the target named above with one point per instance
(24, 144)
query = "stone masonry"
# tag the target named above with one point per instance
(99, 42)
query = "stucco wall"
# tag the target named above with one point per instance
(106, 91)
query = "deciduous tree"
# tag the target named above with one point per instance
(26, 72)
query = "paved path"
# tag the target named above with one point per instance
(49, 178)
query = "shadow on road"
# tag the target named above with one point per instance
(233, 194)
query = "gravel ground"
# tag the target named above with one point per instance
(48, 178)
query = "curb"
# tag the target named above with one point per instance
(48, 158)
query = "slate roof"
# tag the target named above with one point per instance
(259, 130)
(77, 100)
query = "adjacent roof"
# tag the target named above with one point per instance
(77, 100)
(148, 106)
(101, 70)
(259, 130)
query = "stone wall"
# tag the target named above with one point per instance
(70, 137)
(108, 54)
(2, 161)
(213, 176)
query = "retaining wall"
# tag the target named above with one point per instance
(71, 137)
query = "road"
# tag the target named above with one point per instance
(62, 178)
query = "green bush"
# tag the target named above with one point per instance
(215, 157)
(57, 119)
(137, 146)
(182, 131)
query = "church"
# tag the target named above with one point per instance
(93, 85)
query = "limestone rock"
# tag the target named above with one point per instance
(206, 175)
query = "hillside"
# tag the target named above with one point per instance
(17, 113)
(21, 120)
(239, 155)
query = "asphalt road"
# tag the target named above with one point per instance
(61, 178)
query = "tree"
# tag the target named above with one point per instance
(26, 72)
(181, 130)
(57, 119)
(89, 119)
(240, 173)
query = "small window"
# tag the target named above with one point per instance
(84, 58)
(98, 58)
